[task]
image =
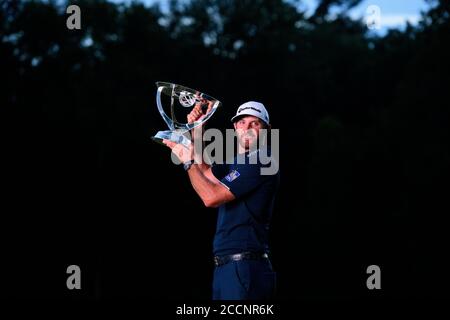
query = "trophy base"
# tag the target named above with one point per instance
(175, 136)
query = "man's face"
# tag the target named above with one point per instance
(247, 130)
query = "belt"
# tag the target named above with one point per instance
(221, 260)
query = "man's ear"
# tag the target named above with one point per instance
(234, 125)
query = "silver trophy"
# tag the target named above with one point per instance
(178, 101)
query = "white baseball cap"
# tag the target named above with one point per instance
(252, 108)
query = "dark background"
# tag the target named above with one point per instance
(363, 122)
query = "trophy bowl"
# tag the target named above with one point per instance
(174, 103)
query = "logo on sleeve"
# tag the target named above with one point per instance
(232, 175)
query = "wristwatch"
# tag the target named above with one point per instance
(187, 165)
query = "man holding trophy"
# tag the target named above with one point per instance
(243, 195)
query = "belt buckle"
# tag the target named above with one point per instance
(240, 256)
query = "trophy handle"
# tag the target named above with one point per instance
(166, 118)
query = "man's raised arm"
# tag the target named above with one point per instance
(212, 192)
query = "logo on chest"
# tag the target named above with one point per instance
(232, 175)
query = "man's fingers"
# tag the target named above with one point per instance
(194, 115)
(197, 107)
(200, 110)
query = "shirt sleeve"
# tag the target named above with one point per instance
(241, 179)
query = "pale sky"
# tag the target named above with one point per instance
(393, 13)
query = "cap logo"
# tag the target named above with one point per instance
(245, 108)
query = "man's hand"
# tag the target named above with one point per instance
(199, 112)
(183, 153)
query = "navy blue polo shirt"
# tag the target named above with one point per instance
(243, 224)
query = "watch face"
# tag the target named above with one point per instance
(187, 165)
